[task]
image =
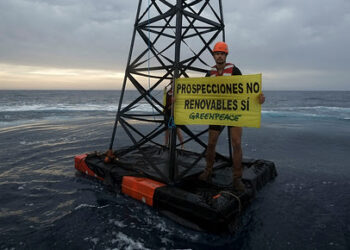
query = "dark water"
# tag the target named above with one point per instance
(45, 204)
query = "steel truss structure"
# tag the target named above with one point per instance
(169, 40)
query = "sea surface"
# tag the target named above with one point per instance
(46, 204)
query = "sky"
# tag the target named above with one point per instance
(84, 44)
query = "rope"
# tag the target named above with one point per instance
(236, 197)
(171, 123)
(149, 44)
(149, 50)
(194, 53)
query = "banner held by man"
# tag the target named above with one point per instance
(224, 100)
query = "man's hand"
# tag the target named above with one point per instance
(261, 98)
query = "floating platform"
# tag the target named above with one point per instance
(204, 206)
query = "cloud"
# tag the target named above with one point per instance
(292, 33)
(279, 38)
(20, 76)
(65, 33)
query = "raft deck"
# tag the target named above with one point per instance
(205, 206)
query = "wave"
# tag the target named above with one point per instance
(59, 107)
(316, 108)
(139, 107)
(342, 113)
(73, 107)
(21, 114)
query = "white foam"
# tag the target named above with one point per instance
(117, 223)
(125, 242)
(16, 123)
(140, 107)
(162, 227)
(313, 112)
(93, 240)
(50, 142)
(89, 206)
(60, 107)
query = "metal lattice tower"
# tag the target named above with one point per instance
(171, 39)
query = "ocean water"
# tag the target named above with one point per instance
(46, 204)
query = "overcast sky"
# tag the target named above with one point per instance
(84, 44)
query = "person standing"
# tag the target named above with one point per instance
(222, 68)
(169, 100)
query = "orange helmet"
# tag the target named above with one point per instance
(221, 47)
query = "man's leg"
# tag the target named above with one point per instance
(166, 122)
(237, 171)
(166, 138)
(210, 154)
(181, 138)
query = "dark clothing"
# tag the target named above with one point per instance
(167, 115)
(169, 94)
(167, 110)
(235, 71)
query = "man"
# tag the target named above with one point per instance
(169, 100)
(222, 68)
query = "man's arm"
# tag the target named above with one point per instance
(261, 98)
(236, 71)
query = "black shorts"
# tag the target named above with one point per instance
(218, 127)
(167, 115)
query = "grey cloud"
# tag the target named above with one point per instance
(269, 35)
(295, 34)
(64, 33)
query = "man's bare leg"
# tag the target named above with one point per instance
(237, 171)
(210, 155)
(166, 138)
(181, 138)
